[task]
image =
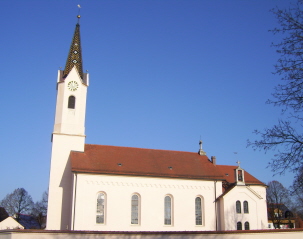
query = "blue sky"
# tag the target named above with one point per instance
(163, 74)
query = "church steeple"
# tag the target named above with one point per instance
(68, 135)
(75, 55)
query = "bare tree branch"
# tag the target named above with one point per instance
(277, 198)
(17, 202)
(286, 137)
(39, 211)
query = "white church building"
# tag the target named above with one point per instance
(109, 188)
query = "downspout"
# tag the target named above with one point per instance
(74, 200)
(216, 217)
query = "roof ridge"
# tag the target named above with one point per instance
(142, 148)
(228, 165)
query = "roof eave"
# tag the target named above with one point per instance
(136, 174)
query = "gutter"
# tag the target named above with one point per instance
(216, 216)
(74, 201)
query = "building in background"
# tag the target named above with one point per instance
(280, 217)
(17, 221)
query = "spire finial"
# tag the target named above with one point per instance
(238, 162)
(201, 152)
(79, 16)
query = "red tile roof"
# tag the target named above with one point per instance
(228, 173)
(102, 159)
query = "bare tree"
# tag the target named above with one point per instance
(286, 137)
(19, 201)
(297, 191)
(39, 211)
(290, 63)
(277, 197)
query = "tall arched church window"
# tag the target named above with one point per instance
(245, 206)
(239, 225)
(100, 213)
(246, 226)
(168, 210)
(135, 209)
(71, 102)
(238, 207)
(198, 210)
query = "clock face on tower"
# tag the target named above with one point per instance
(72, 85)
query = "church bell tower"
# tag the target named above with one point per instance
(68, 134)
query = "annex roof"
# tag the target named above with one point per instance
(228, 173)
(102, 159)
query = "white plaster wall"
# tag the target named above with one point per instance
(68, 135)
(257, 216)
(25, 234)
(70, 121)
(60, 182)
(152, 191)
(221, 215)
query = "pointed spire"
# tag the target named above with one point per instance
(75, 54)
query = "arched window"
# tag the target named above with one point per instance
(100, 214)
(238, 207)
(245, 206)
(135, 209)
(198, 210)
(246, 226)
(71, 102)
(167, 210)
(239, 225)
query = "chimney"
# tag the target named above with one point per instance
(213, 160)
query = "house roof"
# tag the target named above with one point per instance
(228, 173)
(116, 160)
(280, 207)
(10, 223)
